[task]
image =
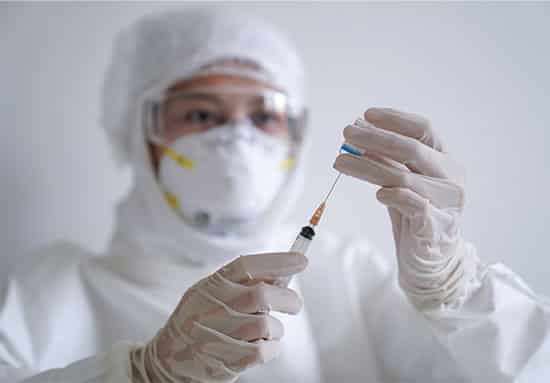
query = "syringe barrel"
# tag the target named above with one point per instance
(300, 245)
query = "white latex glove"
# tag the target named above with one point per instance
(221, 325)
(422, 187)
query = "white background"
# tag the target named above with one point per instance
(480, 72)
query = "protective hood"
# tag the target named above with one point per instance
(154, 52)
(167, 48)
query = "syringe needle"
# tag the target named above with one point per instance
(314, 221)
(332, 187)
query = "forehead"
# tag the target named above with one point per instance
(214, 81)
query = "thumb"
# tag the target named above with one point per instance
(405, 201)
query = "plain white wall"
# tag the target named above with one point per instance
(480, 72)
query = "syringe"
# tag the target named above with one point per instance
(304, 238)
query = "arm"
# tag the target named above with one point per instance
(484, 317)
(500, 331)
(13, 356)
(110, 367)
(25, 298)
(221, 327)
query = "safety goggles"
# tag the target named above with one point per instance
(198, 110)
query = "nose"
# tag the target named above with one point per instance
(237, 116)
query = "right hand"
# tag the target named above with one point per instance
(222, 324)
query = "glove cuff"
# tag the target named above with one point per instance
(446, 287)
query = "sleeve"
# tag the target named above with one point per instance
(14, 364)
(22, 326)
(10, 374)
(110, 367)
(500, 331)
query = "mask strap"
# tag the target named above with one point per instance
(288, 163)
(172, 201)
(180, 159)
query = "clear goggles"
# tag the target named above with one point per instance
(198, 110)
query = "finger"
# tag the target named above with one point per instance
(214, 314)
(407, 124)
(265, 351)
(385, 161)
(405, 150)
(370, 170)
(440, 192)
(261, 297)
(403, 200)
(264, 297)
(233, 353)
(259, 327)
(247, 327)
(264, 267)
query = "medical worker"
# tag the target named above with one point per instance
(208, 109)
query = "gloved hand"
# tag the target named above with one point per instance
(222, 324)
(422, 186)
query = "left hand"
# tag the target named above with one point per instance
(222, 325)
(422, 186)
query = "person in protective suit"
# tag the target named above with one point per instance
(208, 109)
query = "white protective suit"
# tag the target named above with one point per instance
(74, 316)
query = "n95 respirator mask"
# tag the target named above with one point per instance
(224, 177)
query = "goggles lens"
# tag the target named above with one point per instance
(197, 111)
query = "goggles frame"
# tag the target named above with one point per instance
(153, 119)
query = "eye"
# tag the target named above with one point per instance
(200, 116)
(261, 119)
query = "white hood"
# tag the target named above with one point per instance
(151, 55)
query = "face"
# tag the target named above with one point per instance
(202, 103)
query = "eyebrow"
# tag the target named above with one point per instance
(217, 99)
(194, 95)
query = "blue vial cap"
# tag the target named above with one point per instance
(351, 150)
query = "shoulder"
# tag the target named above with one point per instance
(36, 298)
(44, 278)
(48, 263)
